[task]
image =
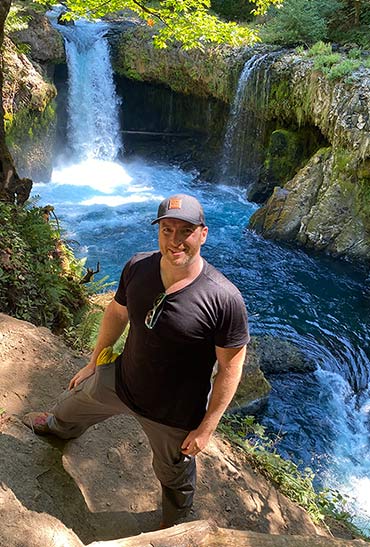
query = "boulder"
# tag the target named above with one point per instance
(324, 207)
(45, 42)
(277, 356)
(22, 527)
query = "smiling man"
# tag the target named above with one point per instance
(184, 316)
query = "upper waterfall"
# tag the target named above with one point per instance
(93, 128)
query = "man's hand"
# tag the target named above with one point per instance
(195, 442)
(81, 375)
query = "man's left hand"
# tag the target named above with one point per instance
(195, 442)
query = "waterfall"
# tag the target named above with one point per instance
(93, 128)
(244, 136)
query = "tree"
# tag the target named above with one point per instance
(301, 21)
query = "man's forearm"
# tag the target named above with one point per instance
(230, 367)
(114, 322)
(224, 387)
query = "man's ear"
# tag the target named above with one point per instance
(204, 234)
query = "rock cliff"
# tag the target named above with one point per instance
(326, 209)
(28, 92)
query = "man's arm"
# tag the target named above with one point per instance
(230, 367)
(114, 322)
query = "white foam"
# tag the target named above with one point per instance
(104, 176)
(113, 201)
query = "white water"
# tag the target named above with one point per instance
(108, 205)
(93, 114)
(244, 131)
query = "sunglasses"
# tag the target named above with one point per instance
(152, 316)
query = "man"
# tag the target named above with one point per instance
(184, 315)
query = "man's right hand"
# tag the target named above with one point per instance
(81, 375)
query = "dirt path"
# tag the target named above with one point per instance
(102, 485)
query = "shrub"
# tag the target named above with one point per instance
(334, 65)
(320, 48)
(300, 21)
(345, 68)
(324, 62)
(297, 484)
(39, 277)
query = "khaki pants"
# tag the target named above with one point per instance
(95, 400)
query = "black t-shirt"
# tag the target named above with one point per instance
(164, 373)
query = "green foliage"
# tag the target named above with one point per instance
(350, 27)
(335, 66)
(300, 21)
(343, 69)
(355, 53)
(332, 64)
(37, 282)
(325, 62)
(186, 22)
(82, 336)
(16, 20)
(294, 483)
(320, 48)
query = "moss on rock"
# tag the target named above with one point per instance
(29, 113)
(212, 72)
(324, 207)
(30, 137)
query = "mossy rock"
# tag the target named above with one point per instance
(30, 136)
(252, 393)
(275, 355)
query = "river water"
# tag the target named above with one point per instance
(323, 417)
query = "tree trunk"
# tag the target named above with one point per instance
(12, 188)
(202, 533)
(357, 12)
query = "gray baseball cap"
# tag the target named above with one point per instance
(181, 207)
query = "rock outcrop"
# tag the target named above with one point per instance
(45, 44)
(323, 207)
(212, 72)
(29, 113)
(29, 57)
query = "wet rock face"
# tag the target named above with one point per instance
(341, 110)
(266, 355)
(209, 73)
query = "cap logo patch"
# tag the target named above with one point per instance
(174, 203)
